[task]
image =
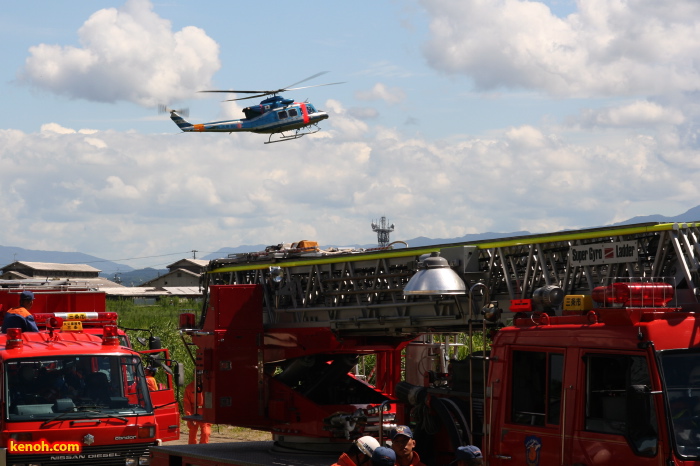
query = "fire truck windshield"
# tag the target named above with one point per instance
(682, 379)
(75, 387)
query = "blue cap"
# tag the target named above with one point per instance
(402, 430)
(26, 295)
(383, 456)
(469, 452)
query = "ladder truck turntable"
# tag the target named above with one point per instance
(77, 381)
(594, 335)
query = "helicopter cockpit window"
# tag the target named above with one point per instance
(282, 115)
(310, 108)
(293, 112)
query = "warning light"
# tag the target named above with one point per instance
(14, 338)
(110, 335)
(521, 305)
(186, 320)
(54, 322)
(635, 294)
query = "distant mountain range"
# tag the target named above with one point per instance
(10, 254)
(131, 277)
(692, 215)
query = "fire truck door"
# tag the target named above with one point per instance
(617, 425)
(529, 429)
(165, 405)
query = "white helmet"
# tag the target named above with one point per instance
(367, 444)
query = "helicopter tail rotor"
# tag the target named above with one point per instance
(185, 111)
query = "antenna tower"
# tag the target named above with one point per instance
(383, 229)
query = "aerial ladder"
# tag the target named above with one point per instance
(363, 291)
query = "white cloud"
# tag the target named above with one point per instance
(526, 136)
(624, 47)
(346, 125)
(635, 114)
(363, 113)
(390, 95)
(56, 128)
(126, 54)
(138, 189)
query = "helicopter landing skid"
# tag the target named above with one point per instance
(297, 134)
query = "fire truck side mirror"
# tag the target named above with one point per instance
(154, 343)
(179, 370)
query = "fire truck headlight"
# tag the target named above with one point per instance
(131, 462)
(144, 461)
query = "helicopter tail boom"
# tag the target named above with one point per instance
(183, 124)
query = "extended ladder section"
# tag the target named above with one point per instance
(362, 292)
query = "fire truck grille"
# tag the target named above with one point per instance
(105, 455)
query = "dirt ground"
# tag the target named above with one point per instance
(222, 433)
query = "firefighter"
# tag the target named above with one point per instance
(151, 378)
(403, 444)
(189, 411)
(467, 456)
(20, 317)
(383, 456)
(360, 452)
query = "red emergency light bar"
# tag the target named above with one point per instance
(635, 294)
(85, 317)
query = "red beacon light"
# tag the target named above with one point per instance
(186, 320)
(110, 335)
(634, 294)
(14, 339)
(54, 323)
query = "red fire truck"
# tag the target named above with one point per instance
(593, 343)
(65, 385)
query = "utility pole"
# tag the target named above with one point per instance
(194, 253)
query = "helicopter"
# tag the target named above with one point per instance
(282, 118)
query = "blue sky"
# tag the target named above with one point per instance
(455, 117)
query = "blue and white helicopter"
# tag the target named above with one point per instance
(275, 115)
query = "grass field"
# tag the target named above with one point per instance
(160, 320)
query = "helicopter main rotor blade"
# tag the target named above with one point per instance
(233, 91)
(274, 92)
(249, 97)
(316, 85)
(304, 80)
(281, 90)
